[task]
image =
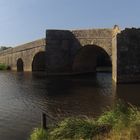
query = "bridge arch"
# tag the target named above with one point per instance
(39, 61)
(89, 57)
(20, 64)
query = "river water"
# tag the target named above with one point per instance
(24, 96)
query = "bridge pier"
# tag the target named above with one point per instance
(126, 56)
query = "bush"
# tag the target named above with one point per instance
(3, 67)
(39, 134)
(121, 122)
(74, 128)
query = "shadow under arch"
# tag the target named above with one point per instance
(20, 65)
(89, 57)
(39, 61)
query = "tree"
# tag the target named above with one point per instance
(4, 48)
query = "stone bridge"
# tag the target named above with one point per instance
(23, 57)
(62, 51)
(80, 51)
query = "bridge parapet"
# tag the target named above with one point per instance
(24, 47)
(93, 33)
(25, 52)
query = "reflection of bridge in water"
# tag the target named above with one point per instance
(79, 51)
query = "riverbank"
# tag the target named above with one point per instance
(120, 122)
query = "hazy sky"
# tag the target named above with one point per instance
(22, 21)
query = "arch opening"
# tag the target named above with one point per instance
(90, 58)
(20, 65)
(38, 63)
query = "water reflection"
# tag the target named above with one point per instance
(78, 96)
(129, 93)
(24, 96)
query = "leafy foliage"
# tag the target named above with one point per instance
(3, 67)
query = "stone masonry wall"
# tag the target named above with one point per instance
(26, 52)
(60, 50)
(128, 56)
(99, 37)
(63, 45)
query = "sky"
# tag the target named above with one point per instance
(22, 21)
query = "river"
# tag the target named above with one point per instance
(24, 96)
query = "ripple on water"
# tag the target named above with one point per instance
(23, 97)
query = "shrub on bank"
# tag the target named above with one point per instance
(39, 134)
(125, 121)
(3, 67)
(121, 122)
(75, 128)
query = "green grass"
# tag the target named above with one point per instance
(3, 67)
(39, 134)
(75, 128)
(125, 122)
(120, 122)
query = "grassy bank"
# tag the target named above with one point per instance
(3, 67)
(122, 122)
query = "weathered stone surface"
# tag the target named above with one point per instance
(128, 56)
(99, 37)
(26, 52)
(81, 50)
(63, 47)
(71, 51)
